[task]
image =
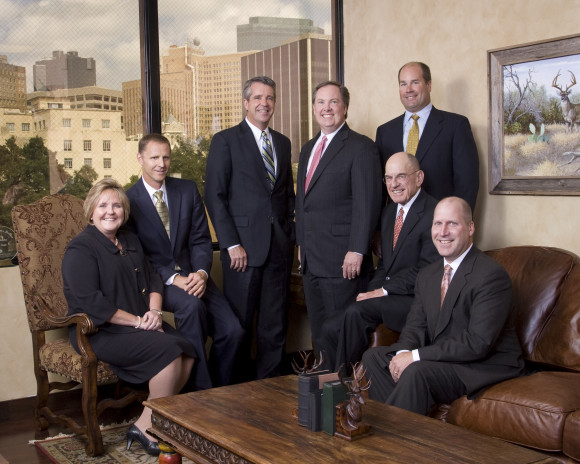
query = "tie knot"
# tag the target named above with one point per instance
(415, 117)
(264, 135)
(447, 270)
(158, 195)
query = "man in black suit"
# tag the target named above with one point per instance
(181, 252)
(459, 336)
(446, 149)
(408, 217)
(249, 193)
(338, 203)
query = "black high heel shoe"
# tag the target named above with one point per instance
(151, 447)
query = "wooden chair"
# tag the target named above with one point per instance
(42, 230)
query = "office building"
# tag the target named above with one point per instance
(263, 32)
(64, 71)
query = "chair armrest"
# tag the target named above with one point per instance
(82, 320)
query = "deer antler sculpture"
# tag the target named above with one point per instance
(306, 369)
(349, 413)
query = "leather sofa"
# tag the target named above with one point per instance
(540, 410)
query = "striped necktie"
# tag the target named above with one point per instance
(268, 158)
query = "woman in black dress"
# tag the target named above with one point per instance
(107, 275)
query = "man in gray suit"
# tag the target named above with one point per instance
(459, 336)
(249, 193)
(338, 203)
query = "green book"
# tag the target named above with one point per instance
(333, 393)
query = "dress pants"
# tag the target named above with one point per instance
(421, 385)
(196, 319)
(326, 300)
(260, 294)
(348, 335)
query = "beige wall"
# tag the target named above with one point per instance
(452, 37)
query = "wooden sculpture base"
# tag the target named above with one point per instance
(347, 431)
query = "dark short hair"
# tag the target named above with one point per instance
(97, 190)
(344, 93)
(247, 92)
(153, 138)
(424, 70)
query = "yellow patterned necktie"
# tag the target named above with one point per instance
(162, 210)
(413, 139)
(445, 282)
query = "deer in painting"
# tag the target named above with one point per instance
(571, 111)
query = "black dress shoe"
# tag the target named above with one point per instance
(151, 447)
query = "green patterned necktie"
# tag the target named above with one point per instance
(162, 210)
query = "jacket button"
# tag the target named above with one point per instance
(144, 291)
(137, 269)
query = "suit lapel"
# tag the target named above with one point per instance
(253, 151)
(148, 210)
(457, 284)
(336, 144)
(430, 132)
(174, 199)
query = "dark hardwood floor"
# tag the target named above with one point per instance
(17, 425)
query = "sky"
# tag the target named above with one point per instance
(544, 72)
(108, 30)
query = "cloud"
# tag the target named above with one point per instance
(108, 30)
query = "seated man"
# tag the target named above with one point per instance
(459, 336)
(169, 217)
(406, 247)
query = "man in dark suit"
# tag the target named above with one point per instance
(446, 149)
(181, 252)
(338, 204)
(408, 217)
(249, 193)
(459, 336)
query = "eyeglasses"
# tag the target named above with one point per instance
(399, 177)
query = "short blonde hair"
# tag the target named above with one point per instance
(97, 190)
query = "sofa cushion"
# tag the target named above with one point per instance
(572, 435)
(530, 410)
(538, 275)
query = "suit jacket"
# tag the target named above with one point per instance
(446, 152)
(238, 197)
(473, 329)
(397, 269)
(340, 211)
(190, 244)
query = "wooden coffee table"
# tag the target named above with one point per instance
(253, 423)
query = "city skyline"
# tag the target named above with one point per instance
(108, 30)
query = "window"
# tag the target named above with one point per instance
(106, 145)
(86, 123)
(87, 145)
(10, 126)
(67, 145)
(25, 127)
(107, 163)
(105, 123)
(88, 162)
(68, 163)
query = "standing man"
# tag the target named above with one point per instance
(407, 247)
(168, 215)
(441, 141)
(337, 209)
(459, 336)
(250, 198)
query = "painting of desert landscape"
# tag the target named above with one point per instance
(541, 118)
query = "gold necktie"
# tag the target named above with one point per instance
(413, 139)
(445, 282)
(162, 210)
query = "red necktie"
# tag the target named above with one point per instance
(315, 161)
(398, 227)
(445, 282)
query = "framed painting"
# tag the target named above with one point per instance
(534, 119)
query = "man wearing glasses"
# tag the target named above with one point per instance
(406, 247)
